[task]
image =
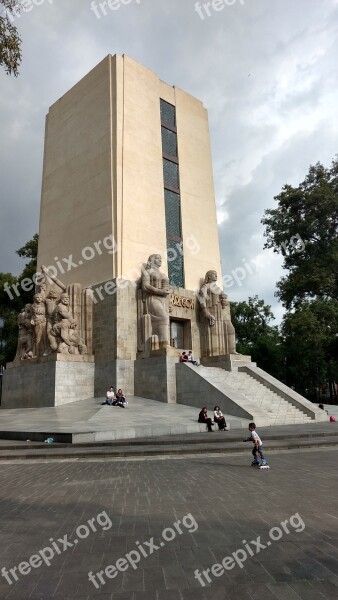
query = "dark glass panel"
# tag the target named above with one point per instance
(175, 264)
(168, 113)
(169, 142)
(170, 171)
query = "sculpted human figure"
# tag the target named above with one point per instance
(25, 337)
(62, 319)
(155, 287)
(39, 322)
(71, 343)
(51, 295)
(214, 302)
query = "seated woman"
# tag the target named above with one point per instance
(120, 399)
(203, 418)
(184, 357)
(219, 419)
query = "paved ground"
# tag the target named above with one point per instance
(88, 421)
(232, 504)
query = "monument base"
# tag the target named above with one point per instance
(118, 373)
(52, 380)
(228, 362)
(155, 377)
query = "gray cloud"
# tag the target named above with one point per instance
(266, 71)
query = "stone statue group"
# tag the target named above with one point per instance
(48, 325)
(218, 333)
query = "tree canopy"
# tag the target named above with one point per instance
(10, 41)
(10, 306)
(256, 336)
(311, 347)
(304, 229)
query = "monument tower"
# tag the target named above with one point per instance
(128, 175)
(130, 261)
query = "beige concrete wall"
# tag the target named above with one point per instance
(76, 204)
(143, 213)
(103, 175)
(198, 208)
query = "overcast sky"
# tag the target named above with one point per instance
(265, 69)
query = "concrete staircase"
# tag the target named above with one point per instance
(246, 392)
(278, 411)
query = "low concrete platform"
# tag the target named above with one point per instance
(88, 421)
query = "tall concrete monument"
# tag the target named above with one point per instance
(129, 237)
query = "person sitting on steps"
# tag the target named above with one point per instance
(120, 399)
(203, 418)
(219, 419)
(191, 358)
(110, 397)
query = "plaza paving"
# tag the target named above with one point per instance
(88, 421)
(229, 500)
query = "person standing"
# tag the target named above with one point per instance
(258, 447)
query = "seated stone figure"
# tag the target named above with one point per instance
(218, 333)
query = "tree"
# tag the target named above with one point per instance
(10, 305)
(304, 229)
(311, 347)
(10, 41)
(256, 336)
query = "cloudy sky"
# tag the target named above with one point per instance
(265, 69)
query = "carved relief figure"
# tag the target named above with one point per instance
(62, 319)
(25, 337)
(155, 288)
(77, 344)
(39, 322)
(219, 338)
(49, 324)
(51, 298)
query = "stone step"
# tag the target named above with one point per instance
(202, 446)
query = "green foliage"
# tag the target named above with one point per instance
(256, 337)
(304, 229)
(311, 345)
(11, 306)
(10, 41)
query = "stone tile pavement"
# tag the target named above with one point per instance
(88, 421)
(232, 504)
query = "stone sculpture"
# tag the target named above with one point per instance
(39, 321)
(25, 337)
(49, 324)
(154, 306)
(218, 333)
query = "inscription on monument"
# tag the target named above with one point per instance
(182, 302)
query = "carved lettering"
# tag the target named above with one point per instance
(182, 302)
